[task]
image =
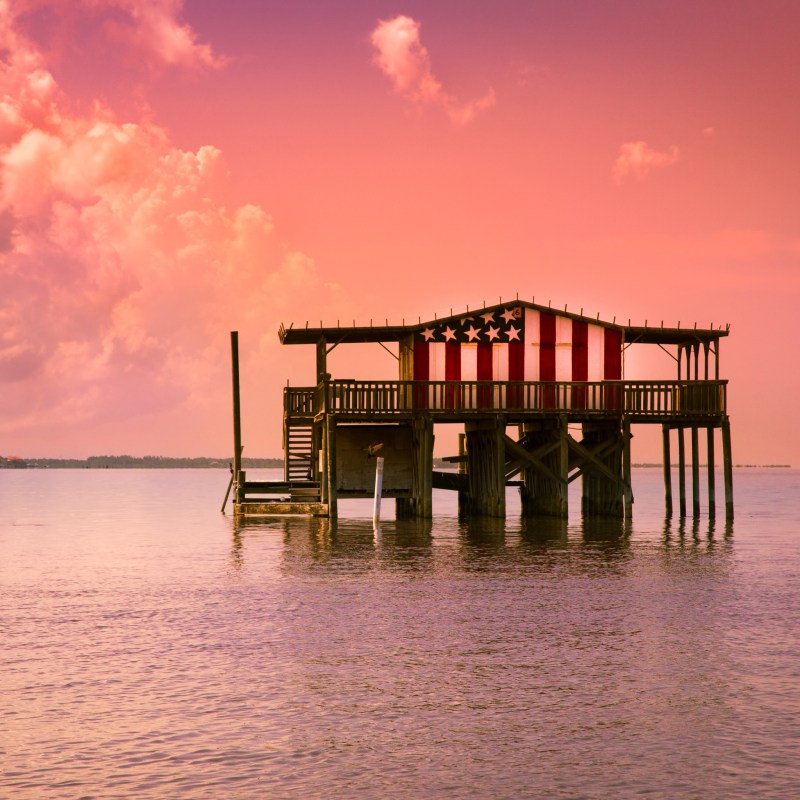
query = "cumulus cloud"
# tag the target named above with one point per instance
(151, 27)
(401, 55)
(121, 269)
(636, 159)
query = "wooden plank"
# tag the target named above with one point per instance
(532, 458)
(271, 508)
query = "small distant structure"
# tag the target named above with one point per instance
(520, 378)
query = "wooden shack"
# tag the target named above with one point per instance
(520, 378)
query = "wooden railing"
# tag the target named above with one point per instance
(449, 398)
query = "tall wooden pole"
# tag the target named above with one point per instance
(681, 472)
(626, 467)
(712, 491)
(667, 471)
(237, 419)
(695, 472)
(727, 461)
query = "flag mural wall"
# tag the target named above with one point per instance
(514, 343)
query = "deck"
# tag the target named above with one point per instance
(701, 402)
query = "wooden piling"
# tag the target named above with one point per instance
(486, 470)
(330, 466)
(544, 490)
(727, 462)
(695, 472)
(712, 492)
(667, 470)
(681, 472)
(626, 467)
(602, 492)
(463, 497)
(237, 419)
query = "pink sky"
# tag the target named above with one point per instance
(171, 171)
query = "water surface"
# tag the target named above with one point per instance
(151, 648)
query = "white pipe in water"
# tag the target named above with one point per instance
(376, 513)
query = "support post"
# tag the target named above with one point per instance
(330, 466)
(544, 491)
(681, 472)
(626, 467)
(727, 461)
(667, 470)
(695, 472)
(602, 493)
(712, 491)
(486, 476)
(463, 497)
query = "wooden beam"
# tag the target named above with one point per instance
(532, 459)
(598, 465)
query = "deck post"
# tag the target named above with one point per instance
(727, 461)
(712, 491)
(681, 471)
(544, 491)
(600, 494)
(463, 497)
(486, 471)
(330, 466)
(322, 359)
(695, 472)
(667, 470)
(626, 467)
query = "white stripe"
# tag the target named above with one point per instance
(531, 366)
(563, 348)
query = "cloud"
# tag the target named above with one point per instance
(121, 268)
(403, 58)
(150, 27)
(636, 159)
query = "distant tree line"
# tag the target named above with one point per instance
(149, 462)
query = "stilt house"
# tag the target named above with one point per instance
(518, 377)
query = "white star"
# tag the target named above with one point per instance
(513, 333)
(492, 333)
(449, 334)
(428, 333)
(465, 320)
(488, 317)
(508, 314)
(473, 333)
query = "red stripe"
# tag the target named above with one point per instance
(580, 350)
(452, 372)
(547, 356)
(485, 361)
(422, 365)
(580, 361)
(516, 372)
(485, 373)
(547, 346)
(612, 355)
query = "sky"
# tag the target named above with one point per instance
(172, 171)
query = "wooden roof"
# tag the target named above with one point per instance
(360, 334)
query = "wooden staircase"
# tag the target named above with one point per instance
(298, 452)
